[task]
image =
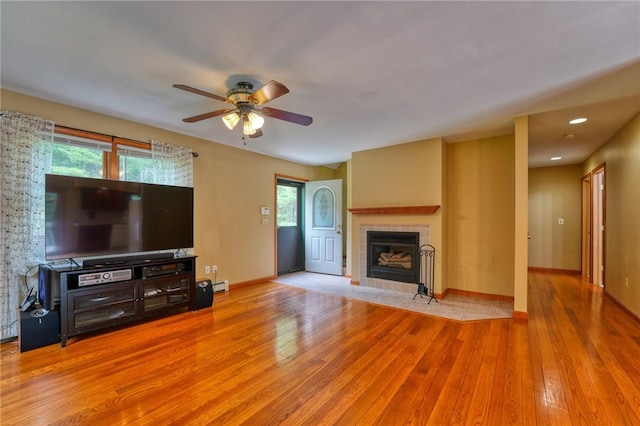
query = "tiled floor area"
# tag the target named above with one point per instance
(457, 307)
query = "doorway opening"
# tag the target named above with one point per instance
(289, 228)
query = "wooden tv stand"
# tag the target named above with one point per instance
(89, 301)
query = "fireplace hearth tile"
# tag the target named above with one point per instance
(455, 307)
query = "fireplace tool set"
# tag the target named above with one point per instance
(427, 272)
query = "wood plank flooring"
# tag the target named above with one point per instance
(272, 354)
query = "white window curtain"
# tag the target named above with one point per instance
(25, 158)
(172, 165)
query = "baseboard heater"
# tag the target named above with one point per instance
(220, 286)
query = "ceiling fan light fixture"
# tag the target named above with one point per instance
(231, 120)
(247, 128)
(256, 120)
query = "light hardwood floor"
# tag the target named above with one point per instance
(275, 354)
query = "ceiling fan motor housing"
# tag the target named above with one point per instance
(241, 92)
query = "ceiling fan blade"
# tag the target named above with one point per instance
(269, 92)
(287, 116)
(204, 116)
(257, 134)
(201, 92)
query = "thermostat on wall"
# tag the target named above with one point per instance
(264, 211)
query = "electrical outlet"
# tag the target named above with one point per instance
(626, 282)
(215, 268)
(207, 270)
(560, 221)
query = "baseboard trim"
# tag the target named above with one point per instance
(553, 270)
(489, 296)
(622, 307)
(519, 315)
(251, 282)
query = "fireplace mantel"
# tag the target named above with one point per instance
(402, 210)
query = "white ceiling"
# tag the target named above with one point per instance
(371, 74)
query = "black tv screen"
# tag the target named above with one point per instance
(90, 217)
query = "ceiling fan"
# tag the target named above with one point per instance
(246, 104)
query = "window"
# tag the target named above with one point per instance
(93, 155)
(75, 156)
(288, 202)
(135, 164)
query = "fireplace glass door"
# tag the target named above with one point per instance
(393, 256)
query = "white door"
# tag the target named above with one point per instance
(323, 226)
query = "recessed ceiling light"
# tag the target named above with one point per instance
(570, 136)
(556, 158)
(577, 120)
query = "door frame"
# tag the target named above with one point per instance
(593, 210)
(587, 209)
(598, 176)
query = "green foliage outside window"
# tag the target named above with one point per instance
(76, 161)
(136, 169)
(72, 160)
(287, 206)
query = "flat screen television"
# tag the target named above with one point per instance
(87, 217)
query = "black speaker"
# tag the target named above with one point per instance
(38, 328)
(204, 294)
(48, 287)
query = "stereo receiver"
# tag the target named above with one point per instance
(104, 277)
(168, 269)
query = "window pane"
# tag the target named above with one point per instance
(323, 209)
(136, 169)
(135, 164)
(287, 206)
(76, 161)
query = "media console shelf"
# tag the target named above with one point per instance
(94, 298)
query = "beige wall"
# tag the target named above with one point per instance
(555, 193)
(473, 182)
(230, 185)
(621, 155)
(481, 215)
(401, 175)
